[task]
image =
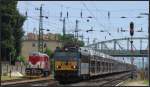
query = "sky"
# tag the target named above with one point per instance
(97, 9)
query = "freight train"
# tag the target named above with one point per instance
(38, 65)
(84, 63)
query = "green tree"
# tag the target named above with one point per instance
(48, 51)
(18, 33)
(11, 28)
(69, 40)
(21, 59)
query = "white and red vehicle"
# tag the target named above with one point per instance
(38, 64)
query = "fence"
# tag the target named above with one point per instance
(7, 68)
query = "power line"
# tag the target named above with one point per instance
(48, 24)
(44, 21)
(84, 9)
(52, 17)
(95, 17)
(118, 10)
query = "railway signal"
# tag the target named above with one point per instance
(131, 28)
(131, 34)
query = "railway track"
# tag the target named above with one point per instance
(30, 82)
(24, 78)
(15, 80)
(116, 80)
(108, 80)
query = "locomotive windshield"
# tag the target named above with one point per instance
(66, 55)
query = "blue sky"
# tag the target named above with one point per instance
(98, 9)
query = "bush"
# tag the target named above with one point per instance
(21, 59)
(48, 52)
(5, 74)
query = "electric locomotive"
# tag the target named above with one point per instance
(66, 63)
(82, 63)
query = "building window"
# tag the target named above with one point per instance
(33, 44)
(45, 45)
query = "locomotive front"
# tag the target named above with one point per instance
(66, 65)
(38, 65)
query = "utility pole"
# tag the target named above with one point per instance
(142, 57)
(94, 42)
(40, 38)
(148, 46)
(0, 49)
(76, 32)
(64, 30)
(147, 14)
(88, 40)
(64, 27)
(82, 37)
(76, 29)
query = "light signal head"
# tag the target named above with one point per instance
(131, 28)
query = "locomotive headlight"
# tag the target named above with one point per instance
(74, 67)
(58, 66)
(66, 49)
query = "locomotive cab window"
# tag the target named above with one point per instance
(66, 55)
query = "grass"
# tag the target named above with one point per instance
(146, 82)
(141, 82)
(3, 78)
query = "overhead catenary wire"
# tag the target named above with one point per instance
(97, 10)
(118, 10)
(93, 10)
(47, 22)
(101, 25)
